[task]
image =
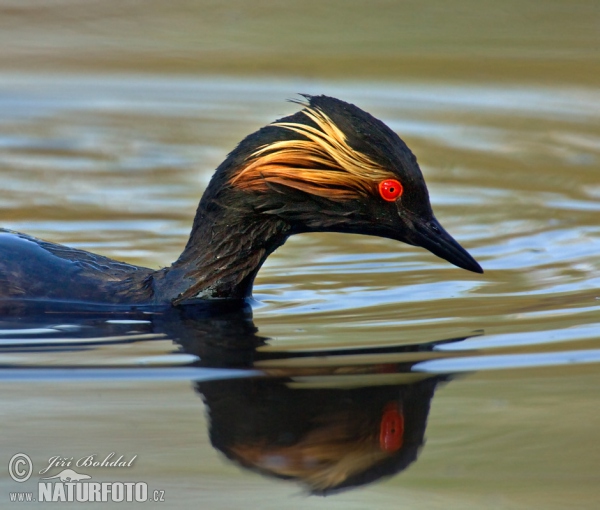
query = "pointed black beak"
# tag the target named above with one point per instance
(432, 236)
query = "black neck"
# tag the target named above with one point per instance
(226, 248)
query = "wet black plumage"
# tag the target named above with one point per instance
(314, 171)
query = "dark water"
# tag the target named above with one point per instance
(499, 372)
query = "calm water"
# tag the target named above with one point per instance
(508, 360)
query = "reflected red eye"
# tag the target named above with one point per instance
(391, 429)
(390, 189)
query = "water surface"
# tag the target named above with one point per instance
(116, 165)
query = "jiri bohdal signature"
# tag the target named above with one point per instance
(88, 461)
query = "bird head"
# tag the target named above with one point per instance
(332, 167)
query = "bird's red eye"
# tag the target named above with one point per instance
(391, 429)
(390, 189)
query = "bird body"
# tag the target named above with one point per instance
(34, 269)
(330, 167)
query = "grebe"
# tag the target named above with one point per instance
(331, 167)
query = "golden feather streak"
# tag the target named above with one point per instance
(323, 165)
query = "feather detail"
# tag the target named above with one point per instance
(322, 164)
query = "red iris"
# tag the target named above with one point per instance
(390, 189)
(391, 429)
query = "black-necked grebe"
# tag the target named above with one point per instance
(330, 167)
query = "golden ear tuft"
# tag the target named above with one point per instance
(322, 164)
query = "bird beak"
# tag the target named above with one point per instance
(431, 235)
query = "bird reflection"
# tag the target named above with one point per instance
(328, 420)
(328, 439)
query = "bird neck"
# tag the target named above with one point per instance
(226, 248)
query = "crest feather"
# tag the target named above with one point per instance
(323, 164)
